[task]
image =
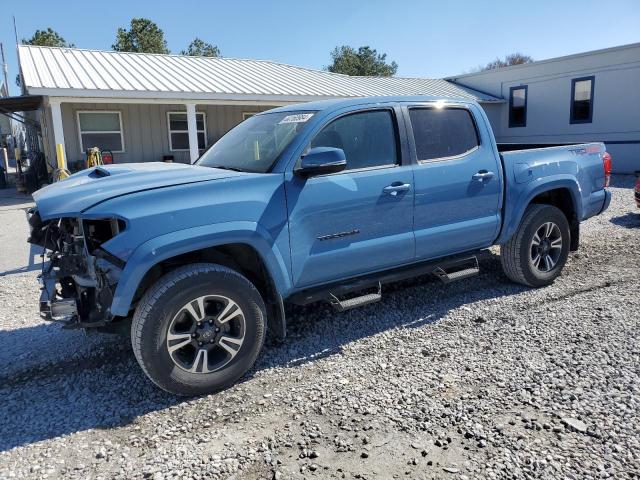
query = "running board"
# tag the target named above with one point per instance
(446, 269)
(452, 272)
(366, 299)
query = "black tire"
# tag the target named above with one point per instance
(167, 298)
(516, 255)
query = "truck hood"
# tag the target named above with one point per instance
(87, 188)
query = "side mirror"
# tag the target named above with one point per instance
(321, 161)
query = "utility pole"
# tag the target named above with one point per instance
(5, 71)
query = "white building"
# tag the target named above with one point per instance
(592, 96)
(145, 107)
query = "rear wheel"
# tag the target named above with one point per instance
(536, 254)
(198, 329)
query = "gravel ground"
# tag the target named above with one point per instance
(475, 379)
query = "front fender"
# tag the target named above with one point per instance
(519, 196)
(188, 240)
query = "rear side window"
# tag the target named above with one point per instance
(367, 138)
(441, 133)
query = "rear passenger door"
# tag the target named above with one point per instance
(358, 220)
(458, 180)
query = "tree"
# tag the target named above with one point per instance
(47, 38)
(511, 59)
(144, 36)
(44, 38)
(364, 62)
(200, 48)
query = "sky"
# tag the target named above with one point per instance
(425, 38)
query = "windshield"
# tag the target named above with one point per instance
(255, 144)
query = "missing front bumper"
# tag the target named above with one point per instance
(53, 308)
(64, 301)
(77, 283)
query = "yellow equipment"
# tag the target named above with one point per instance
(94, 157)
(61, 172)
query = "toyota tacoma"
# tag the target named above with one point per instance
(324, 201)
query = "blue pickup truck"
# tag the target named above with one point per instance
(324, 201)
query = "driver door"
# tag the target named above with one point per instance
(358, 220)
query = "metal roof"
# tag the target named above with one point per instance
(74, 72)
(564, 58)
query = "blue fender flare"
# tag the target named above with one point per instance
(180, 242)
(515, 207)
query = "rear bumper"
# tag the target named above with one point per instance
(607, 201)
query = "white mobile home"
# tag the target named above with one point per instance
(592, 96)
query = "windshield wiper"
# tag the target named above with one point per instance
(225, 167)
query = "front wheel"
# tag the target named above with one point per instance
(536, 254)
(198, 329)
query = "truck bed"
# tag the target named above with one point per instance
(509, 147)
(577, 168)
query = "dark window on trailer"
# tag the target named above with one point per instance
(442, 132)
(582, 99)
(518, 107)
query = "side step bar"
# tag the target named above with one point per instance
(361, 301)
(465, 268)
(341, 295)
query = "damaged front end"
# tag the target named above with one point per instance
(78, 276)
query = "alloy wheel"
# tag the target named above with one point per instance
(206, 334)
(546, 247)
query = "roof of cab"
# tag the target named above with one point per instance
(339, 103)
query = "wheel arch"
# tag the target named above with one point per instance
(248, 251)
(563, 193)
(562, 199)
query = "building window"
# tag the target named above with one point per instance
(179, 131)
(582, 99)
(100, 129)
(518, 106)
(443, 133)
(246, 115)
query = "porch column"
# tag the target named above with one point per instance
(192, 126)
(58, 132)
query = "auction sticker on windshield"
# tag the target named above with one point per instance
(297, 118)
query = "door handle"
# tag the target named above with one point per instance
(483, 175)
(396, 187)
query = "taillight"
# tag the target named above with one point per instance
(606, 164)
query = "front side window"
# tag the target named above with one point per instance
(368, 139)
(102, 130)
(582, 100)
(518, 107)
(442, 132)
(255, 144)
(179, 131)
